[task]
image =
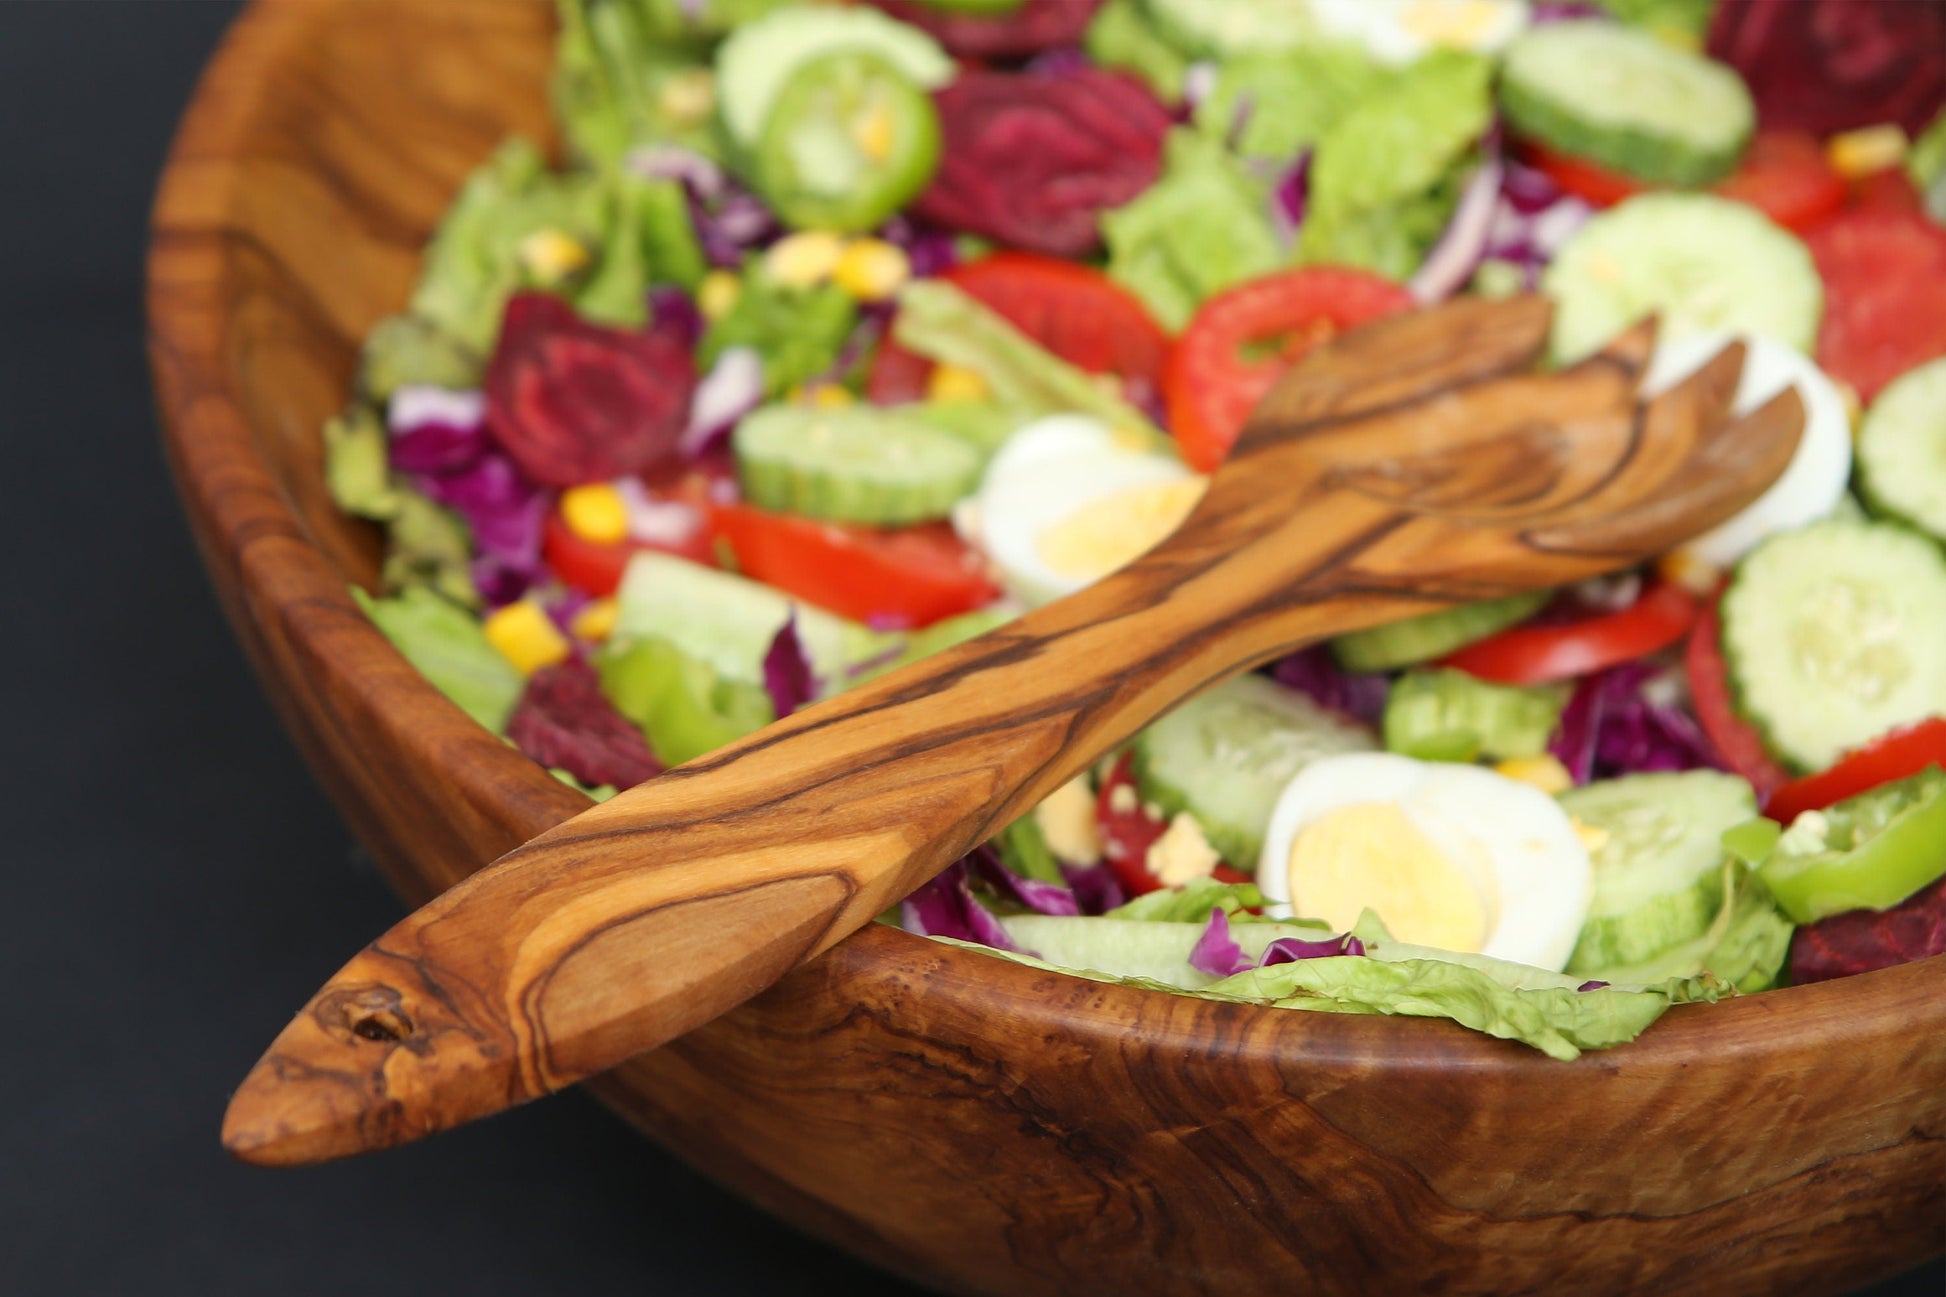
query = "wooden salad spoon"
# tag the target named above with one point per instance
(1407, 466)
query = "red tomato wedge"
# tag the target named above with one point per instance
(1736, 740)
(1075, 311)
(1896, 755)
(1241, 341)
(595, 568)
(1531, 655)
(1127, 835)
(903, 576)
(1784, 174)
(1889, 189)
(1884, 307)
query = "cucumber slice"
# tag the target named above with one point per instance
(1659, 876)
(854, 464)
(1695, 260)
(1225, 756)
(1433, 635)
(1452, 716)
(758, 58)
(1220, 29)
(1628, 101)
(1902, 450)
(1158, 952)
(1835, 634)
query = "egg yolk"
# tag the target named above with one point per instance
(1372, 855)
(1441, 22)
(1106, 533)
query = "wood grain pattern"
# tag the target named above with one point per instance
(674, 902)
(976, 1125)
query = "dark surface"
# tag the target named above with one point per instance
(178, 885)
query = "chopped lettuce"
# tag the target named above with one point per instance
(1680, 22)
(1387, 174)
(629, 73)
(944, 324)
(796, 332)
(1193, 901)
(681, 705)
(1022, 848)
(1203, 226)
(445, 644)
(1273, 105)
(425, 545)
(357, 465)
(1121, 36)
(412, 351)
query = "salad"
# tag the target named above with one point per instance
(842, 333)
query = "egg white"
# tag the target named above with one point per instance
(1513, 841)
(1044, 475)
(1401, 31)
(1813, 482)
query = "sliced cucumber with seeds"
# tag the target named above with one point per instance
(1628, 101)
(854, 464)
(1835, 634)
(1659, 875)
(1902, 450)
(1432, 635)
(1696, 261)
(1225, 756)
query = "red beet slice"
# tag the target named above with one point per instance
(1032, 161)
(1862, 940)
(576, 402)
(1035, 26)
(1833, 65)
(563, 719)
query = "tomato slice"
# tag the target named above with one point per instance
(1883, 310)
(1895, 755)
(1531, 655)
(1075, 311)
(1888, 189)
(1736, 740)
(903, 576)
(1127, 835)
(595, 568)
(1783, 174)
(1241, 341)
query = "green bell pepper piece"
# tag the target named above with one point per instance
(1868, 852)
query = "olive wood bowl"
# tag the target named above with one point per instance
(975, 1125)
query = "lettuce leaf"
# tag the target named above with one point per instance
(1121, 36)
(411, 351)
(1203, 226)
(1273, 105)
(615, 85)
(446, 645)
(679, 703)
(1193, 901)
(1744, 947)
(796, 332)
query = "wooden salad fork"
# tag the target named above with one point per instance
(1409, 465)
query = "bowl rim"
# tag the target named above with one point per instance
(284, 577)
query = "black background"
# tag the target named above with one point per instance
(175, 885)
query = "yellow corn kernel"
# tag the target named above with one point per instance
(718, 293)
(1861, 152)
(872, 270)
(873, 131)
(596, 622)
(552, 257)
(1680, 567)
(688, 97)
(823, 396)
(596, 513)
(1543, 772)
(956, 383)
(1593, 837)
(804, 260)
(526, 637)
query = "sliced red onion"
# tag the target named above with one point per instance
(667, 523)
(1557, 224)
(1198, 82)
(1463, 246)
(434, 429)
(699, 175)
(733, 387)
(1290, 198)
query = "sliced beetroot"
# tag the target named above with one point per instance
(564, 720)
(1834, 65)
(1862, 940)
(576, 402)
(1032, 161)
(1033, 27)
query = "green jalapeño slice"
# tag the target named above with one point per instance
(849, 141)
(1867, 852)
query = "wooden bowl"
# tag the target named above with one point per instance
(972, 1124)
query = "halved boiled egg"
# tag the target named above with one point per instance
(1068, 500)
(1451, 856)
(1400, 31)
(1812, 483)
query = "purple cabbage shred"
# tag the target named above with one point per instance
(946, 907)
(1616, 724)
(1314, 673)
(435, 430)
(787, 671)
(1033, 893)
(1591, 986)
(1217, 953)
(506, 513)
(673, 311)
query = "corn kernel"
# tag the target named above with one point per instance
(1860, 153)
(872, 270)
(956, 383)
(873, 131)
(804, 260)
(596, 622)
(1680, 567)
(824, 396)
(551, 257)
(718, 293)
(688, 97)
(1544, 772)
(595, 513)
(1593, 837)
(526, 636)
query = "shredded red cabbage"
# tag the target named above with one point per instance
(945, 907)
(1464, 244)
(1288, 950)
(1591, 986)
(1217, 953)
(1035, 894)
(787, 671)
(1097, 889)
(1614, 724)
(1314, 673)
(1290, 198)
(506, 513)
(928, 249)
(435, 430)
(673, 312)
(733, 388)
